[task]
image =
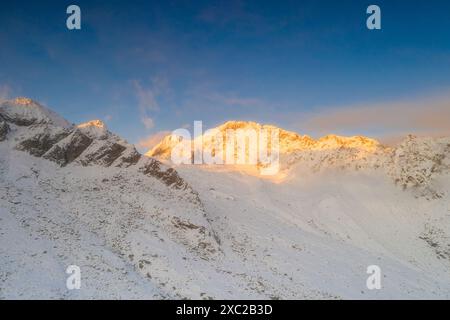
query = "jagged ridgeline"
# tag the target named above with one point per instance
(42, 133)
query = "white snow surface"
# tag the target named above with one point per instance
(311, 234)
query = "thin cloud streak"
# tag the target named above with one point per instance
(149, 142)
(423, 117)
(5, 92)
(148, 98)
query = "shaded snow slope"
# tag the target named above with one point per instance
(110, 222)
(322, 230)
(24, 111)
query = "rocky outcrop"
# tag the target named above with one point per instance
(103, 153)
(169, 176)
(416, 162)
(128, 158)
(38, 139)
(4, 128)
(68, 149)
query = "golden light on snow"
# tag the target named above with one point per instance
(23, 101)
(92, 123)
(290, 145)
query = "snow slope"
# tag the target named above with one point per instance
(142, 230)
(24, 111)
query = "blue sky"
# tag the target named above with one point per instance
(146, 67)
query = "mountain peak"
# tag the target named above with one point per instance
(95, 129)
(290, 142)
(24, 101)
(93, 123)
(333, 141)
(236, 124)
(239, 125)
(25, 112)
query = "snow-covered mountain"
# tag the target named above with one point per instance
(138, 228)
(290, 142)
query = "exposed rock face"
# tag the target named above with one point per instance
(128, 158)
(169, 176)
(38, 139)
(103, 154)
(108, 153)
(3, 129)
(106, 149)
(417, 161)
(69, 149)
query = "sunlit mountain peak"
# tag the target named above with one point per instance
(25, 111)
(94, 129)
(24, 101)
(93, 123)
(289, 142)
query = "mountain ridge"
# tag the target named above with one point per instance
(52, 137)
(290, 141)
(39, 131)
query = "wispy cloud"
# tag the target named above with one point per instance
(5, 92)
(149, 142)
(203, 96)
(428, 116)
(147, 98)
(148, 122)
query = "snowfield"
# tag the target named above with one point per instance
(139, 229)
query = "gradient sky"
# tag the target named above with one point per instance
(150, 66)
